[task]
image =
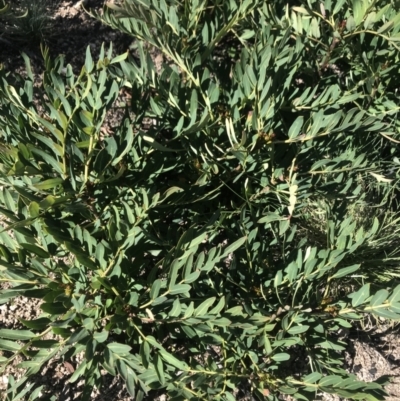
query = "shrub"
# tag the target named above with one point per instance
(220, 234)
(27, 21)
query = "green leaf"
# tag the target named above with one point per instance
(379, 298)
(176, 308)
(192, 277)
(36, 250)
(270, 217)
(16, 334)
(158, 146)
(55, 308)
(222, 322)
(218, 308)
(78, 372)
(359, 9)
(294, 330)
(295, 128)
(45, 344)
(119, 58)
(204, 306)
(386, 27)
(155, 289)
(278, 279)
(158, 364)
(100, 336)
(312, 377)
(122, 369)
(370, 20)
(49, 201)
(130, 383)
(145, 353)
(175, 266)
(330, 381)
(89, 61)
(395, 297)
(230, 397)
(360, 296)
(232, 247)
(338, 6)
(36, 324)
(345, 271)
(9, 345)
(128, 141)
(193, 106)
(48, 184)
(109, 362)
(81, 255)
(171, 360)
(88, 323)
(180, 289)
(119, 349)
(34, 209)
(386, 314)
(280, 357)
(58, 167)
(77, 336)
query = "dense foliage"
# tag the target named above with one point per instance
(26, 21)
(234, 225)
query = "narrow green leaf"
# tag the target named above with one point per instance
(298, 329)
(36, 324)
(386, 27)
(155, 289)
(204, 306)
(345, 271)
(175, 266)
(119, 349)
(78, 372)
(128, 141)
(330, 381)
(232, 247)
(36, 250)
(395, 297)
(270, 217)
(171, 360)
(360, 296)
(77, 336)
(176, 308)
(48, 184)
(379, 298)
(295, 128)
(145, 353)
(16, 334)
(158, 364)
(218, 308)
(278, 279)
(180, 289)
(130, 383)
(9, 345)
(120, 58)
(312, 377)
(280, 357)
(89, 61)
(359, 9)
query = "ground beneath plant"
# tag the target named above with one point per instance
(371, 353)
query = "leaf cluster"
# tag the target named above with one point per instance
(27, 22)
